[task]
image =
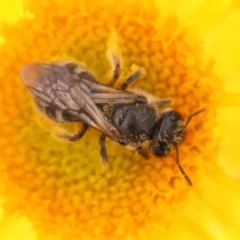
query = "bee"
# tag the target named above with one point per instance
(68, 92)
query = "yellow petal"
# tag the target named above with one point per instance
(13, 228)
(10, 11)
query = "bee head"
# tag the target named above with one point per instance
(169, 132)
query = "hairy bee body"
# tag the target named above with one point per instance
(68, 92)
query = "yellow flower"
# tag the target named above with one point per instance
(59, 188)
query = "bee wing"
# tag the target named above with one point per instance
(103, 94)
(53, 85)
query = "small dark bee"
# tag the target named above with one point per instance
(68, 92)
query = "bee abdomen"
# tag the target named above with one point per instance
(56, 114)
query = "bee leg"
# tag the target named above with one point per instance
(116, 71)
(75, 137)
(103, 150)
(142, 153)
(114, 56)
(137, 74)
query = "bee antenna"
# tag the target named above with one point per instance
(180, 167)
(191, 116)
